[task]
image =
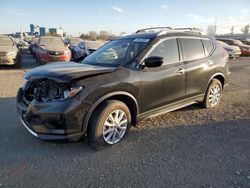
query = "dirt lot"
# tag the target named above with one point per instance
(191, 147)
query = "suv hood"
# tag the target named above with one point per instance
(64, 72)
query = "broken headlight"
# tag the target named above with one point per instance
(72, 91)
(48, 90)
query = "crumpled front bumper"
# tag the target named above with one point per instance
(54, 120)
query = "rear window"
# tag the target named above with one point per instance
(192, 48)
(208, 46)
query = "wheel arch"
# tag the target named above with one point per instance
(122, 96)
(218, 76)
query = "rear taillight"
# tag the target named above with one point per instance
(225, 55)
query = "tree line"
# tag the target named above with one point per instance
(102, 35)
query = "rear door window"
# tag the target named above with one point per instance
(168, 49)
(192, 48)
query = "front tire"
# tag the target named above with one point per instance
(109, 124)
(213, 94)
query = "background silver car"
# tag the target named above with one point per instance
(84, 48)
(9, 52)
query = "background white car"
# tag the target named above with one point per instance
(84, 48)
(233, 51)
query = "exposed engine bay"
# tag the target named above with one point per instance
(44, 90)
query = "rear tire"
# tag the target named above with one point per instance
(213, 94)
(109, 124)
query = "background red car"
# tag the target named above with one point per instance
(245, 49)
(50, 49)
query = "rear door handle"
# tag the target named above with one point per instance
(210, 63)
(181, 71)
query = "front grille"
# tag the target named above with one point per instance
(55, 53)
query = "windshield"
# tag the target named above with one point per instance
(50, 41)
(117, 52)
(93, 44)
(75, 41)
(6, 41)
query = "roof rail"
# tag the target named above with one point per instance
(153, 29)
(189, 29)
(165, 30)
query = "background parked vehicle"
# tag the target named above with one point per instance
(33, 45)
(233, 51)
(9, 52)
(245, 41)
(245, 49)
(85, 48)
(50, 49)
(72, 43)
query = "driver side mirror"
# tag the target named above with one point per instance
(153, 61)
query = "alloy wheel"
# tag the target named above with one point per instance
(214, 95)
(115, 127)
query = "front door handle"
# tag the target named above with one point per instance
(181, 71)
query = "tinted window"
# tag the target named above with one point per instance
(167, 49)
(208, 46)
(192, 49)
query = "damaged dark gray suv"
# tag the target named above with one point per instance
(137, 76)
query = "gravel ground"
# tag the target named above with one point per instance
(190, 147)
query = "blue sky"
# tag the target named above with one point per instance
(79, 16)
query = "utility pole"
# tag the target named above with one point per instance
(232, 30)
(215, 25)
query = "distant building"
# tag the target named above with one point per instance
(42, 31)
(57, 31)
(34, 29)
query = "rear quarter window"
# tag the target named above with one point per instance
(208, 46)
(192, 48)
